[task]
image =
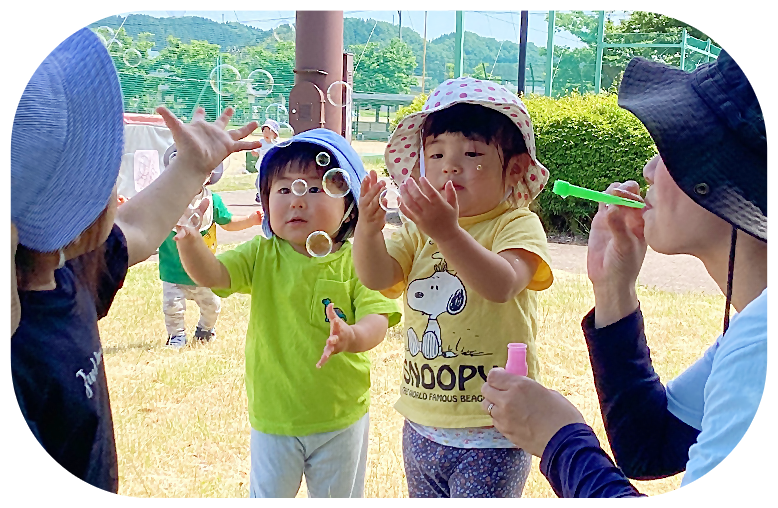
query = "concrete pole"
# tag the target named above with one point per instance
(459, 46)
(319, 56)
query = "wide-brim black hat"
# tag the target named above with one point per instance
(709, 130)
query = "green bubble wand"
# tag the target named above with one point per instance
(565, 189)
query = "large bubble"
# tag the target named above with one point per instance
(390, 199)
(132, 57)
(323, 159)
(318, 244)
(225, 79)
(285, 33)
(339, 94)
(259, 82)
(299, 187)
(336, 183)
(285, 134)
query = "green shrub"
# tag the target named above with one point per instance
(587, 140)
(414, 107)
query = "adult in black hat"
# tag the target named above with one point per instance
(707, 198)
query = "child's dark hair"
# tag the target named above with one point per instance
(303, 155)
(479, 123)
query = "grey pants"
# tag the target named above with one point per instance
(334, 463)
(174, 297)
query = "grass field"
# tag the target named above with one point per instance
(180, 417)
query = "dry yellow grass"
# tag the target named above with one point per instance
(180, 417)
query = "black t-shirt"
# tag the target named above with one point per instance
(58, 370)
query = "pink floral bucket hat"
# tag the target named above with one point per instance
(404, 147)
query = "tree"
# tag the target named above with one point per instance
(384, 70)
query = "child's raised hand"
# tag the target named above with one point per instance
(434, 214)
(201, 146)
(188, 231)
(341, 336)
(372, 217)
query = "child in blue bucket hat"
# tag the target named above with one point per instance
(308, 406)
(75, 246)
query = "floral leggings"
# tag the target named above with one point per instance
(436, 470)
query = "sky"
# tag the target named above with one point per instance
(502, 25)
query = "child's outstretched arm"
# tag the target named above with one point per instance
(356, 338)
(148, 218)
(498, 277)
(198, 260)
(376, 269)
(241, 222)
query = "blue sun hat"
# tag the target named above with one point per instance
(66, 144)
(347, 159)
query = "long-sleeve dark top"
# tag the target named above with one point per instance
(647, 441)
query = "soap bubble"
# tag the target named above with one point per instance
(286, 131)
(339, 94)
(318, 244)
(299, 187)
(102, 39)
(336, 183)
(259, 82)
(116, 44)
(106, 33)
(277, 112)
(225, 79)
(169, 155)
(285, 33)
(389, 199)
(192, 217)
(323, 159)
(132, 57)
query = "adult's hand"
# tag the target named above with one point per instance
(526, 412)
(200, 145)
(617, 248)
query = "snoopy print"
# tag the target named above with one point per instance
(441, 293)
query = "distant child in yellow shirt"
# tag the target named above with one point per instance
(468, 263)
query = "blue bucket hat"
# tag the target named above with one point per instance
(347, 159)
(66, 144)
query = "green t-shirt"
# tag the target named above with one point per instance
(287, 332)
(170, 268)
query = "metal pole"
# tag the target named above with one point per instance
(401, 24)
(424, 55)
(598, 62)
(707, 48)
(522, 50)
(683, 50)
(550, 54)
(459, 46)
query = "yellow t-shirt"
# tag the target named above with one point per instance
(454, 336)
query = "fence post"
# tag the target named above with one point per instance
(550, 53)
(598, 60)
(683, 50)
(459, 46)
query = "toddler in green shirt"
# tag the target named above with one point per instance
(310, 326)
(178, 287)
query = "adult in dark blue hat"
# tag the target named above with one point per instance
(311, 321)
(707, 198)
(75, 247)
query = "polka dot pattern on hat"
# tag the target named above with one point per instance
(403, 147)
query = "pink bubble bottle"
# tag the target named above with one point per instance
(517, 359)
